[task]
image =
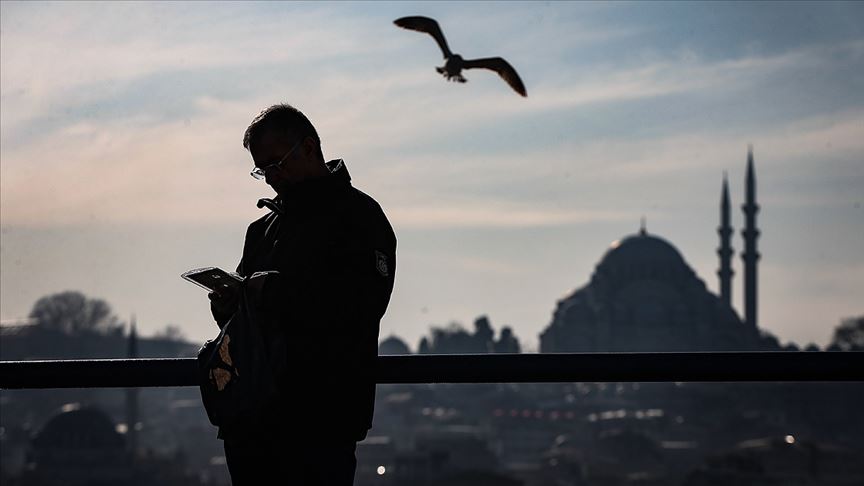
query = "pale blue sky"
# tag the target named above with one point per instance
(122, 165)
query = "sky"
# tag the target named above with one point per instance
(121, 163)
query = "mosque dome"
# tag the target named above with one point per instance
(640, 251)
(643, 296)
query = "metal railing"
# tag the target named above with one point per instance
(476, 368)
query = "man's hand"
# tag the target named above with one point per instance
(223, 303)
(255, 288)
(225, 300)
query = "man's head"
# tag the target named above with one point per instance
(285, 147)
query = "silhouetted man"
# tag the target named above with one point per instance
(334, 252)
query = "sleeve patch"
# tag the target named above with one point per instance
(381, 264)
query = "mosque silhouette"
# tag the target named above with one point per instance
(643, 296)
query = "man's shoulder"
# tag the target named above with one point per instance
(366, 210)
(260, 224)
(365, 202)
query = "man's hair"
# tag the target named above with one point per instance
(281, 117)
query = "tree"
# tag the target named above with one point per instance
(72, 312)
(423, 347)
(484, 336)
(768, 342)
(849, 335)
(393, 345)
(507, 343)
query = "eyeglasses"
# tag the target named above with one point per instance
(261, 172)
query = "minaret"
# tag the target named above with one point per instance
(132, 395)
(725, 251)
(750, 255)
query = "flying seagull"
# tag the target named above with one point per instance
(452, 69)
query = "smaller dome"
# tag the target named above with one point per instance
(393, 345)
(83, 428)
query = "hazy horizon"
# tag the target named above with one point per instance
(122, 163)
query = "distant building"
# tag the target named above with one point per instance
(444, 454)
(456, 340)
(79, 447)
(393, 345)
(643, 296)
(82, 446)
(781, 460)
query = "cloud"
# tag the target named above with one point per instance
(832, 292)
(76, 58)
(437, 116)
(495, 214)
(138, 170)
(409, 137)
(682, 72)
(64, 55)
(808, 139)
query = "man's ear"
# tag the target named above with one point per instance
(309, 148)
(312, 150)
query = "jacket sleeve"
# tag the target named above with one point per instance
(222, 318)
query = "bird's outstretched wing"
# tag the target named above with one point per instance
(500, 66)
(430, 26)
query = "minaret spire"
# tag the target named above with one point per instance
(725, 251)
(132, 395)
(751, 254)
(133, 339)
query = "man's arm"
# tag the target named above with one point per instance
(223, 304)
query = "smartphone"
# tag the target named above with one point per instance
(211, 278)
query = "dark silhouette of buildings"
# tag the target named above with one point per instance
(781, 460)
(81, 446)
(643, 296)
(157, 431)
(455, 340)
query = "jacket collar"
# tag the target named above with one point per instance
(312, 189)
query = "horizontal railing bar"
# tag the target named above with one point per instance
(475, 368)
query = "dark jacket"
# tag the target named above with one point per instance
(335, 253)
